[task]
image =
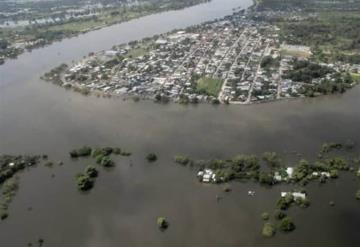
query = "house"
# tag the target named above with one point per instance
(296, 195)
(207, 176)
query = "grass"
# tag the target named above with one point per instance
(355, 77)
(299, 54)
(209, 86)
(140, 50)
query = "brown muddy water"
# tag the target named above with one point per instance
(121, 210)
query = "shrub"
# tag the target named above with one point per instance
(106, 162)
(268, 230)
(162, 223)
(285, 202)
(180, 159)
(358, 195)
(279, 215)
(266, 178)
(272, 159)
(265, 216)
(91, 171)
(151, 157)
(84, 182)
(303, 203)
(81, 152)
(3, 214)
(287, 224)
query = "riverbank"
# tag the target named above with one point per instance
(17, 40)
(238, 59)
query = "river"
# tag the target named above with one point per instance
(121, 210)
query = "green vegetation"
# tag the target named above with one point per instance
(181, 159)
(305, 71)
(265, 216)
(151, 157)
(268, 230)
(91, 171)
(81, 152)
(287, 224)
(209, 86)
(355, 77)
(357, 195)
(330, 146)
(335, 34)
(9, 189)
(105, 161)
(41, 34)
(9, 183)
(268, 62)
(272, 159)
(84, 182)
(162, 223)
(285, 202)
(278, 214)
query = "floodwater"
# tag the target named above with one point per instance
(121, 210)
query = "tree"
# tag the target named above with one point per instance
(84, 182)
(151, 157)
(358, 195)
(266, 178)
(181, 159)
(162, 223)
(287, 224)
(91, 171)
(268, 230)
(265, 216)
(272, 159)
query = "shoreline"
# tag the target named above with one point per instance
(251, 99)
(20, 51)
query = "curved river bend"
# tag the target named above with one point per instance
(36, 117)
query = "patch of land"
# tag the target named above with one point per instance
(242, 58)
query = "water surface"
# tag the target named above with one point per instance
(36, 117)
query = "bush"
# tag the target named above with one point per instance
(162, 223)
(180, 159)
(285, 202)
(265, 216)
(91, 171)
(266, 178)
(268, 230)
(151, 157)
(358, 195)
(81, 152)
(3, 214)
(279, 215)
(303, 203)
(84, 182)
(287, 224)
(106, 162)
(272, 159)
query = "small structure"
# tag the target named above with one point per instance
(207, 176)
(280, 176)
(296, 195)
(321, 174)
(251, 193)
(290, 171)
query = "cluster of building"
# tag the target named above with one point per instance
(244, 55)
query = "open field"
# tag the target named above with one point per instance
(209, 85)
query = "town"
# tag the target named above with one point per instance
(235, 60)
